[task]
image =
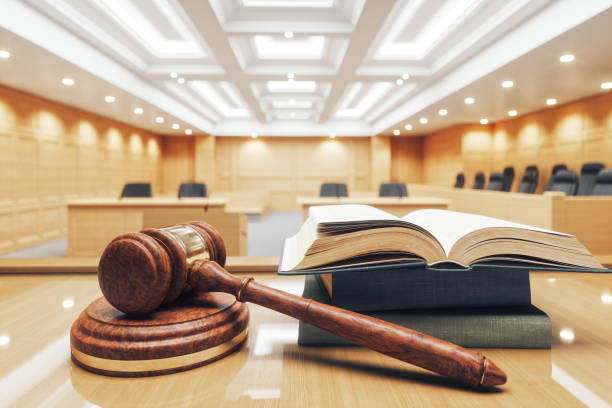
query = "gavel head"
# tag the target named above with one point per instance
(140, 271)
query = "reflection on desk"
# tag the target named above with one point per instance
(36, 313)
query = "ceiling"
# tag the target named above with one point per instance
(306, 67)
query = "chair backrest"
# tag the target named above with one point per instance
(508, 178)
(333, 190)
(603, 183)
(192, 190)
(496, 182)
(588, 174)
(460, 180)
(566, 181)
(479, 181)
(136, 190)
(556, 168)
(529, 182)
(392, 190)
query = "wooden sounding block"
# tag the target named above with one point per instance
(197, 329)
(138, 272)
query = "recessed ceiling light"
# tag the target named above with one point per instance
(68, 81)
(138, 111)
(254, 135)
(181, 80)
(292, 115)
(159, 119)
(5, 54)
(423, 121)
(290, 75)
(188, 131)
(332, 135)
(396, 132)
(508, 84)
(551, 101)
(566, 58)
(291, 101)
(405, 76)
(4, 339)
(484, 121)
(512, 112)
(173, 75)
(109, 99)
(399, 81)
(606, 85)
(408, 126)
(442, 112)
(68, 303)
(469, 100)
(176, 126)
(288, 34)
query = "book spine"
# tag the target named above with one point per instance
(421, 288)
(486, 331)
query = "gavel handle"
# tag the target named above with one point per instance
(448, 359)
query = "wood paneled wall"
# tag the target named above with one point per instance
(290, 167)
(575, 133)
(406, 165)
(51, 153)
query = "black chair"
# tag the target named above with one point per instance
(192, 190)
(508, 178)
(136, 190)
(566, 181)
(496, 182)
(479, 181)
(588, 173)
(556, 168)
(460, 180)
(529, 182)
(603, 183)
(333, 190)
(392, 190)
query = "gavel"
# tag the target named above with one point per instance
(139, 272)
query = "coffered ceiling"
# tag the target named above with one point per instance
(299, 67)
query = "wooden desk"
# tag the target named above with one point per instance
(93, 223)
(36, 313)
(588, 218)
(399, 206)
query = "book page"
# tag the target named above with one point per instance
(348, 213)
(449, 226)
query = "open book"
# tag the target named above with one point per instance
(342, 236)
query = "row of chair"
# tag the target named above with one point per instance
(385, 190)
(594, 180)
(144, 190)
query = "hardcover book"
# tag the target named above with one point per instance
(344, 236)
(494, 327)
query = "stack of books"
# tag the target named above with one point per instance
(459, 277)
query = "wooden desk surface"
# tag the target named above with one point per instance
(36, 313)
(408, 201)
(148, 202)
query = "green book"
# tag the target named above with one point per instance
(497, 327)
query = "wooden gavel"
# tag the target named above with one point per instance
(138, 272)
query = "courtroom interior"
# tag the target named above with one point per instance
(268, 202)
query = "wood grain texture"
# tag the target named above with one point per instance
(51, 153)
(105, 338)
(575, 133)
(433, 354)
(279, 373)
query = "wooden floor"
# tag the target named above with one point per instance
(36, 313)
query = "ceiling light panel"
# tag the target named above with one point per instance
(291, 86)
(359, 98)
(223, 97)
(295, 104)
(289, 3)
(279, 48)
(294, 115)
(420, 25)
(156, 25)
